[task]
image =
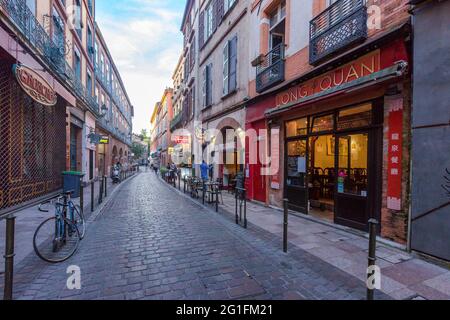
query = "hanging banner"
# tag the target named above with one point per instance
(394, 192)
(35, 86)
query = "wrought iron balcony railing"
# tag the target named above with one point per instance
(176, 122)
(270, 71)
(51, 53)
(342, 24)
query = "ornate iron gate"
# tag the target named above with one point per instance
(32, 143)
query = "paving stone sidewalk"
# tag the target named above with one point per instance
(404, 276)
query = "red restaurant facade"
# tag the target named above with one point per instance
(344, 136)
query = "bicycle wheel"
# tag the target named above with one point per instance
(80, 222)
(49, 243)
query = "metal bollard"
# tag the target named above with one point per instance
(92, 196)
(237, 217)
(373, 225)
(184, 185)
(9, 258)
(106, 186)
(82, 197)
(285, 224)
(100, 191)
(217, 198)
(245, 209)
(203, 193)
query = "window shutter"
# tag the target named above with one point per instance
(193, 102)
(214, 15)
(209, 85)
(226, 68)
(205, 87)
(233, 65)
(220, 10)
(201, 31)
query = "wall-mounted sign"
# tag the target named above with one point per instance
(359, 68)
(394, 192)
(35, 86)
(104, 140)
(181, 139)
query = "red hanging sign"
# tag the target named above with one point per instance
(394, 192)
(35, 85)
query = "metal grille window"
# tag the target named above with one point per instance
(32, 144)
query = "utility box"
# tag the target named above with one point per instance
(72, 181)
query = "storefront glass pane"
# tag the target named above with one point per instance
(297, 127)
(353, 160)
(357, 117)
(325, 123)
(296, 163)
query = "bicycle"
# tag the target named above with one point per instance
(57, 238)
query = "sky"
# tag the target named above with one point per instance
(145, 42)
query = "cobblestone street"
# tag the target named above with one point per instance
(150, 242)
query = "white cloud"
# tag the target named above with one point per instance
(145, 44)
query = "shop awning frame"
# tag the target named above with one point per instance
(397, 70)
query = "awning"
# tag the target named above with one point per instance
(397, 70)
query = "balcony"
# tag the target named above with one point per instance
(176, 122)
(341, 25)
(270, 69)
(51, 53)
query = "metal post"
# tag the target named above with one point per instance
(237, 217)
(373, 225)
(204, 191)
(92, 196)
(245, 209)
(100, 193)
(82, 197)
(179, 182)
(285, 225)
(217, 197)
(184, 185)
(106, 186)
(9, 258)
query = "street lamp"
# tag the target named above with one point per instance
(103, 110)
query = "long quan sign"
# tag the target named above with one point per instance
(359, 68)
(35, 86)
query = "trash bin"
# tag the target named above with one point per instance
(72, 181)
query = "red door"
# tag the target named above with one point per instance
(259, 181)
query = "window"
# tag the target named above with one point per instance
(356, 117)
(192, 56)
(207, 86)
(278, 15)
(229, 4)
(78, 18)
(208, 24)
(89, 43)
(32, 6)
(58, 29)
(89, 82)
(230, 66)
(90, 7)
(77, 63)
(297, 127)
(96, 54)
(323, 123)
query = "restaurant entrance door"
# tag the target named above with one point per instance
(333, 165)
(297, 177)
(352, 187)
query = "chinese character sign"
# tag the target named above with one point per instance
(394, 193)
